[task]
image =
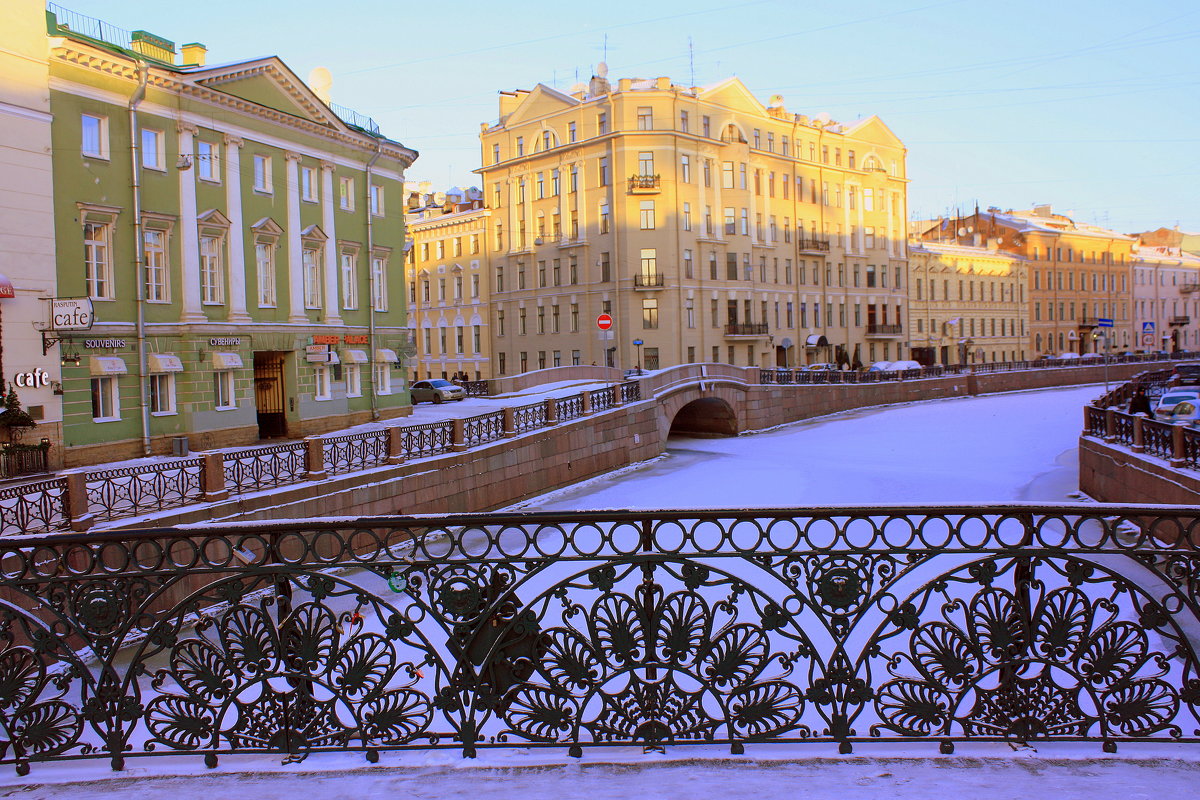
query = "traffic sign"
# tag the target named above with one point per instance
(638, 342)
(1104, 323)
(1147, 327)
(1148, 339)
(604, 321)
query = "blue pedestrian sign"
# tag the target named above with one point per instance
(1147, 327)
(1104, 323)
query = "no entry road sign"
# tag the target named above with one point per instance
(604, 322)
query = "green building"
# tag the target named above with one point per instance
(240, 240)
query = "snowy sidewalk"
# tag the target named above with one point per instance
(1078, 772)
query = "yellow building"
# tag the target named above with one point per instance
(447, 275)
(710, 226)
(967, 304)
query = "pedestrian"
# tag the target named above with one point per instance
(1140, 404)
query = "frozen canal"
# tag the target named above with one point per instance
(967, 450)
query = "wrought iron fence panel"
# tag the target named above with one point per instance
(999, 623)
(477, 388)
(1158, 438)
(603, 398)
(570, 407)
(1191, 448)
(427, 440)
(1095, 421)
(353, 452)
(34, 507)
(527, 418)
(17, 460)
(129, 491)
(631, 391)
(483, 428)
(1123, 428)
(265, 467)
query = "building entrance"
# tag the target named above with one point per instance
(268, 395)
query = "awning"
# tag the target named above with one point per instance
(226, 361)
(333, 357)
(165, 362)
(356, 356)
(107, 365)
(6, 287)
(385, 356)
(816, 340)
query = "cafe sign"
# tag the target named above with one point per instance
(71, 313)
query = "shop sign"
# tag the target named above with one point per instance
(325, 340)
(104, 344)
(71, 313)
(358, 338)
(317, 353)
(39, 377)
(225, 341)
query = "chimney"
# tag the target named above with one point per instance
(194, 54)
(152, 46)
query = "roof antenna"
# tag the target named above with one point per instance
(691, 61)
(606, 48)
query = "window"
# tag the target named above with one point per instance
(154, 155)
(706, 127)
(726, 174)
(382, 375)
(683, 121)
(349, 280)
(541, 186)
(730, 221)
(321, 387)
(346, 193)
(313, 278)
(353, 373)
(603, 172)
(605, 268)
(212, 272)
(604, 218)
(708, 172)
(162, 393)
(650, 314)
(308, 184)
(647, 215)
(264, 262)
(495, 154)
(555, 183)
(645, 118)
(601, 123)
(207, 157)
(685, 169)
(645, 164)
(571, 133)
(155, 249)
(649, 264)
(377, 200)
(262, 174)
(106, 401)
(687, 216)
(223, 390)
(520, 145)
(95, 136)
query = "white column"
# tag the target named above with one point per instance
(189, 236)
(332, 265)
(295, 253)
(237, 231)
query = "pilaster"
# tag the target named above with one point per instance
(332, 262)
(237, 231)
(294, 246)
(189, 235)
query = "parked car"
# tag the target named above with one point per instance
(1091, 357)
(436, 390)
(904, 366)
(1187, 374)
(822, 368)
(1178, 405)
(880, 366)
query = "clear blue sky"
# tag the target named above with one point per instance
(1090, 106)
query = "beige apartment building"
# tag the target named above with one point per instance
(446, 271)
(968, 304)
(1166, 298)
(710, 226)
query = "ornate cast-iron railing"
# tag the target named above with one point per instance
(526, 418)
(570, 407)
(265, 467)
(1016, 623)
(428, 439)
(1123, 429)
(354, 452)
(483, 428)
(1157, 438)
(129, 491)
(34, 507)
(604, 398)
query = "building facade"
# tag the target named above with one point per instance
(966, 304)
(27, 222)
(1079, 275)
(1166, 298)
(237, 241)
(446, 272)
(709, 226)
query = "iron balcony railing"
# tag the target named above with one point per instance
(644, 183)
(1181, 319)
(1025, 624)
(648, 280)
(746, 329)
(883, 329)
(812, 245)
(17, 460)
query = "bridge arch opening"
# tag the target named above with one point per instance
(706, 417)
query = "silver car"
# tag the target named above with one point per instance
(1178, 405)
(436, 390)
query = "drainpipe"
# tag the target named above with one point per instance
(371, 279)
(139, 94)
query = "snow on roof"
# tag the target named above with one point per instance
(1029, 221)
(950, 248)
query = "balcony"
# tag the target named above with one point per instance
(746, 329)
(1179, 320)
(1188, 288)
(644, 184)
(884, 330)
(648, 281)
(1087, 323)
(812, 245)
